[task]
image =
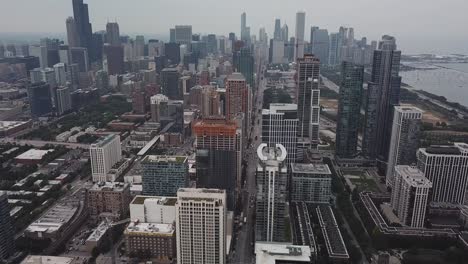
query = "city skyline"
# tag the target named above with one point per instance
(426, 34)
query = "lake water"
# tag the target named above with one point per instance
(447, 79)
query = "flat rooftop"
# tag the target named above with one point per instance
(236, 76)
(200, 190)
(150, 228)
(310, 168)
(37, 259)
(99, 231)
(33, 154)
(413, 176)
(53, 219)
(271, 253)
(443, 150)
(170, 201)
(104, 141)
(6, 125)
(334, 241)
(109, 186)
(164, 159)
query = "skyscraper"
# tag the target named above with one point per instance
(300, 28)
(244, 62)
(201, 226)
(60, 74)
(219, 155)
(276, 52)
(237, 95)
(320, 42)
(310, 183)
(285, 33)
(410, 196)
(183, 34)
(386, 80)
(349, 109)
(279, 126)
(277, 33)
(63, 99)
(405, 139)
(83, 27)
(272, 178)
(7, 231)
(308, 98)
(112, 34)
(39, 99)
(333, 51)
(113, 59)
(447, 168)
(72, 33)
(243, 32)
(139, 46)
(104, 154)
(170, 83)
(164, 175)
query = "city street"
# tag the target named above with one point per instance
(245, 243)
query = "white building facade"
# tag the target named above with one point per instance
(104, 154)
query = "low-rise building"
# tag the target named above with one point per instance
(108, 200)
(273, 253)
(53, 223)
(32, 156)
(99, 234)
(8, 128)
(38, 259)
(153, 240)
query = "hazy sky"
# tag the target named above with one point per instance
(438, 26)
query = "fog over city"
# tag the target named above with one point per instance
(420, 26)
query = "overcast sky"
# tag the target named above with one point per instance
(437, 26)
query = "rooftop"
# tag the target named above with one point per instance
(442, 150)
(6, 125)
(310, 168)
(104, 141)
(109, 186)
(236, 76)
(164, 159)
(33, 154)
(334, 241)
(271, 253)
(53, 219)
(152, 228)
(139, 199)
(37, 259)
(413, 176)
(99, 231)
(200, 190)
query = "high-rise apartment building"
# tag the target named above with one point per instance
(104, 154)
(39, 99)
(271, 177)
(310, 183)
(308, 98)
(320, 42)
(63, 100)
(405, 139)
(201, 226)
(72, 33)
(170, 83)
(379, 110)
(164, 175)
(153, 209)
(410, 195)
(155, 102)
(139, 46)
(244, 63)
(108, 200)
(219, 156)
(183, 34)
(7, 230)
(299, 37)
(276, 52)
(349, 109)
(60, 74)
(447, 168)
(113, 59)
(279, 126)
(237, 95)
(333, 50)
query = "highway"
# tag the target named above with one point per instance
(244, 245)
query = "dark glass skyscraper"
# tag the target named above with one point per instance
(39, 99)
(83, 27)
(244, 62)
(349, 108)
(277, 33)
(385, 87)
